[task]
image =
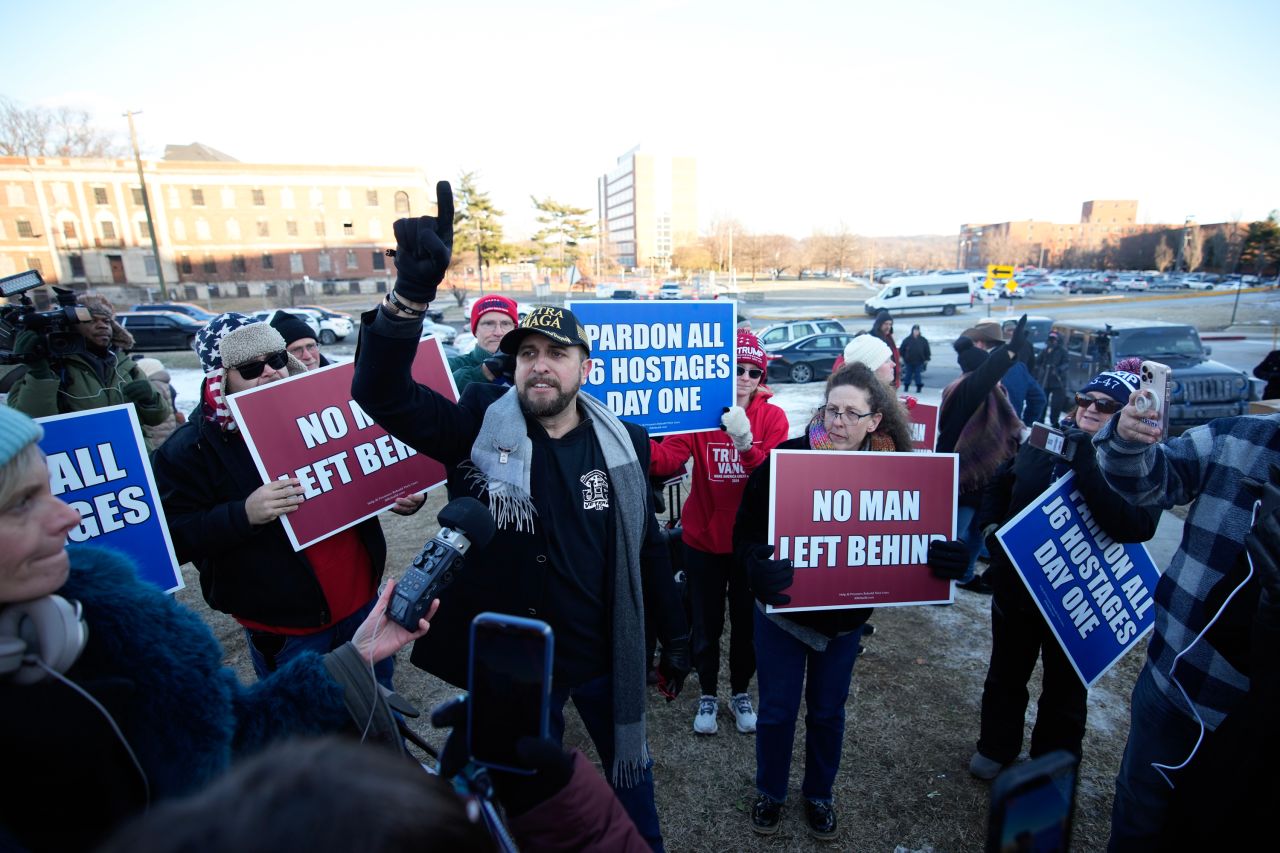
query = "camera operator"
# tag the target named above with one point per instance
(577, 544)
(91, 375)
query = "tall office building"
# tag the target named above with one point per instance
(648, 205)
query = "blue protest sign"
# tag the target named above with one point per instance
(665, 365)
(99, 465)
(1095, 593)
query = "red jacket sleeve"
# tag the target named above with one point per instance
(584, 815)
(769, 428)
(669, 456)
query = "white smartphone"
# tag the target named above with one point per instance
(1154, 400)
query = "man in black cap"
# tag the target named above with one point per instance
(577, 544)
(299, 339)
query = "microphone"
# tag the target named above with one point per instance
(464, 522)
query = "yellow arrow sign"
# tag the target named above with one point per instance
(998, 275)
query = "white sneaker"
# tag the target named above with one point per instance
(705, 722)
(743, 714)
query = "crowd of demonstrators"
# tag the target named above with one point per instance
(915, 358)
(882, 328)
(94, 373)
(299, 340)
(1019, 633)
(113, 696)
(1210, 678)
(1051, 374)
(492, 316)
(722, 461)
(158, 375)
(225, 521)
(808, 654)
(577, 543)
(977, 422)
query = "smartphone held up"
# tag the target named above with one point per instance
(1153, 395)
(510, 685)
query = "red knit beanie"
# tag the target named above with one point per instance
(750, 351)
(493, 302)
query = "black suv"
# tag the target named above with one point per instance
(1202, 389)
(195, 312)
(160, 331)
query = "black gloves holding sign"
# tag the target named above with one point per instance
(768, 578)
(948, 558)
(424, 247)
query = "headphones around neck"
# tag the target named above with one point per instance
(49, 630)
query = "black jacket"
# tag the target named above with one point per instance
(915, 350)
(968, 395)
(752, 528)
(204, 476)
(511, 574)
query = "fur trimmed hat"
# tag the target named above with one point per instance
(1116, 384)
(749, 350)
(867, 350)
(234, 339)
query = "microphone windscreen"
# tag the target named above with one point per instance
(470, 518)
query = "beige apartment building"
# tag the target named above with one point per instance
(1048, 243)
(224, 228)
(648, 205)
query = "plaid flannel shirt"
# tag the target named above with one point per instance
(1206, 464)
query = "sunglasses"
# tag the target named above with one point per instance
(1104, 406)
(252, 370)
(753, 372)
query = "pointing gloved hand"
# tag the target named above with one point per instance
(768, 578)
(674, 666)
(30, 346)
(734, 421)
(1019, 339)
(140, 391)
(424, 247)
(948, 558)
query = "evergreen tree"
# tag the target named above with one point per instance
(476, 225)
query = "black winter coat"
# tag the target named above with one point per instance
(510, 575)
(915, 350)
(204, 476)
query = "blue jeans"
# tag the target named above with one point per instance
(1158, 732)
(967, 532)
(912, 374)
(781, 661)
(270, 651)
(594, 701)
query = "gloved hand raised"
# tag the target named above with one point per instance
(674, 666)
(768, 578)
(948, 558)
(140, 391)
(734, 421)
(1019, 339)
(424, 247)
(30, 346)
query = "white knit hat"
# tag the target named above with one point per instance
(868, 350)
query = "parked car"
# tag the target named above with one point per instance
(807, 359)
(333, 326)
(1090, 285)
(1202, 389)
(310, 319)
(446, 333)
(621, 293)
(195, 312)
(160, 331)
(670, 290)
(780, 334)
(1048, 288)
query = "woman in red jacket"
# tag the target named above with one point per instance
(722, 461)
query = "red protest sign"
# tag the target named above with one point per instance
(309, 427)
(857, 526)
(923, 421)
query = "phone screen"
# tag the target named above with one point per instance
(1032, 810)
(510, 686)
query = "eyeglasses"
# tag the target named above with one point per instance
(833, 414)
(1105, 406)
(252, 370)
(299, 349)
(501, 325)
(753, 372)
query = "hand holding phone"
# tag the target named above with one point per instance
(510, 685)
(1152, 402)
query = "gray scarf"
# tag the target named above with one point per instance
(503, 458)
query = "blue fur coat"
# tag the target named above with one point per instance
(158, 669)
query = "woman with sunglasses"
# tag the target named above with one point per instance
(817, 647)
(1019, 634)
(225, 521)
(722, 461)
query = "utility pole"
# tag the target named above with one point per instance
(146, 204)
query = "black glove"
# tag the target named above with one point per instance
(674, 666)
(1263, 543)
(424, 247)
(1083, 459)
(30, 347)
(502, 366)
(140, 391)
(768, 578)
(948, 558)
(1019, 339)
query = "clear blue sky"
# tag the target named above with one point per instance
(891, 118)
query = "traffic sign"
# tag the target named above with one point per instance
(998, 275)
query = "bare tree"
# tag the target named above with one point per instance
(58, 132)
(1163, 255)
(724, 230)
(1193, 251)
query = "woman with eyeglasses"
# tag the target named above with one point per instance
(722, 461)
(227, 522)
(808, 653)
(1019, 634)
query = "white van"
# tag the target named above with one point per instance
(936, 292)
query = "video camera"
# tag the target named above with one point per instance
(58, 338)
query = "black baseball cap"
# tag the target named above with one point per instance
(559, 324)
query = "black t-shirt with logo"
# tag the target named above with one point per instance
(576, 514)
